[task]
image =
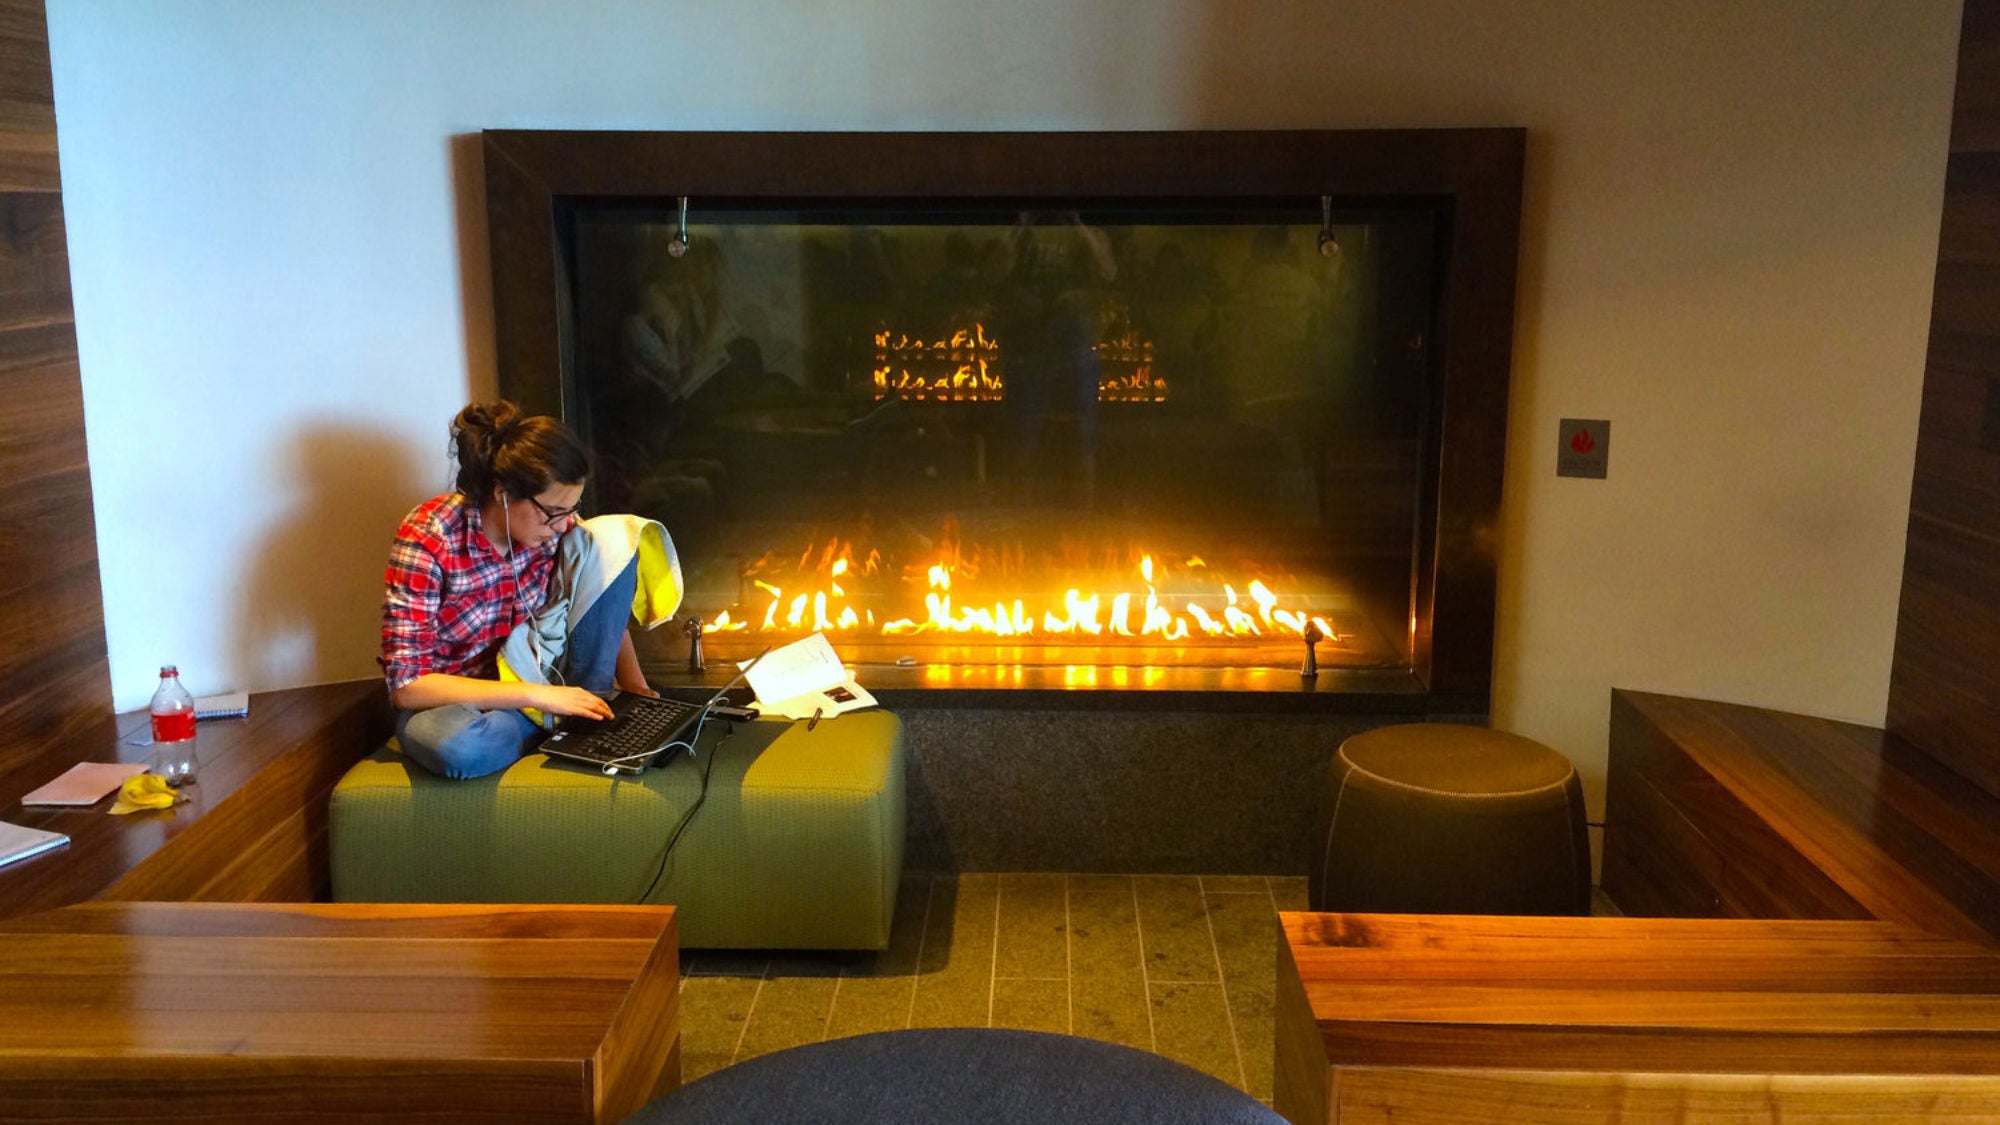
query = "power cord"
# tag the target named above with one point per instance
(614, 765)
(700, 796)
(707, 709)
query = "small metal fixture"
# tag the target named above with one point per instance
(691, 626)
(1328, 246)
(1310, 669)
(679, 246)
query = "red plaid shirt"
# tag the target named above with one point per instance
(452, 598)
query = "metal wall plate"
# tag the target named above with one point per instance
(1584, 449)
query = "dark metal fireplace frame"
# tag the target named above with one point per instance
(1471, 178)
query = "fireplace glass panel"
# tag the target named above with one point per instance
(1095, 436)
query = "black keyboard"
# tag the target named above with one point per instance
(639, 725)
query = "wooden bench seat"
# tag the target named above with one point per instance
(254, 831)
(1822, 910)
(1436, 1018)
(1716, 810)
(280, 1012)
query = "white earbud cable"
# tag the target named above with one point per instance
(520, 600)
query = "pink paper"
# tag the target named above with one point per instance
(84, 783)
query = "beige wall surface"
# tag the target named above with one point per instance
(1731, 221)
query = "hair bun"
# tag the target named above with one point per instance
(482, 424)
(498, 444)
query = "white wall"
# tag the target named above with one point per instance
(1732, 215)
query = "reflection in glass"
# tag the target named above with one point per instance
(1114, 435)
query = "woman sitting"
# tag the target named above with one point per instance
(470, 566)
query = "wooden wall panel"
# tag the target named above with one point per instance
(27, 100)
(1944, 684)
(54, 679)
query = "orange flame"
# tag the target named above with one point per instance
(961, 367)
(826, 605)
(965, 366)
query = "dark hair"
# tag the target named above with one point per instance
(496, 444)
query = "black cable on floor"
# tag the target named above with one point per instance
(700, 796)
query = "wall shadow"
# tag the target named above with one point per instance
(311, 603)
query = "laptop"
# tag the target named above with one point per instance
(639, 730)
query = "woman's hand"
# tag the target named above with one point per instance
(558, 700)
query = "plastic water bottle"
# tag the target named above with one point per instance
(173, 729)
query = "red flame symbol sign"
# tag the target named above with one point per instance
(1581, 442)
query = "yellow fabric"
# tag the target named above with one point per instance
(509, 676)
(144, 791)
(657, 595)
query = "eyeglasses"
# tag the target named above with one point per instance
(554, 516)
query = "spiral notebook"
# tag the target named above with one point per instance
(229, 705)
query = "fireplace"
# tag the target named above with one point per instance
(1118, 413)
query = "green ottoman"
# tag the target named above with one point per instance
(798, 846)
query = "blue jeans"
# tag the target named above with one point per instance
(459, 740)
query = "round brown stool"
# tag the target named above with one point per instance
(1434, 818)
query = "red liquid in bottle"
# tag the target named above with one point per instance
(175, 727)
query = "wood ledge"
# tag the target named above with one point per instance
(1723, 810)
(254, 831)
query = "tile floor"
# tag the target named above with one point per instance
(1178, 964)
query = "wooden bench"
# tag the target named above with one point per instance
(239, 998)
(1415, 1018)
(255, 829)
(1821, 908)
(271, 1013)
(1715, 810)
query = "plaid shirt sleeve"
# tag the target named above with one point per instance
(415, 580)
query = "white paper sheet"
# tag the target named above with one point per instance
(838, 699)
(799, 668)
